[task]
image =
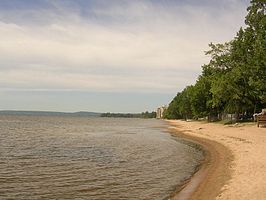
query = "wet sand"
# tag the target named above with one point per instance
(235, 163)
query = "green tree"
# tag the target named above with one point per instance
(201, 97)
(185, 109)
(255, 40)
(172, 112)
(219, 66)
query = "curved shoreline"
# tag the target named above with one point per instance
(214, 171)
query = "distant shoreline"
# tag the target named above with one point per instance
(49, 113)
(234, 167)
(145, 115)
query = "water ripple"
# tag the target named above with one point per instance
(90, 158)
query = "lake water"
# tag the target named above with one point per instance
(49, 157)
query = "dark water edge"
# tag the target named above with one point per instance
(197, 168)
(187, 187)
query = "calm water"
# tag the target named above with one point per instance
(91, 158)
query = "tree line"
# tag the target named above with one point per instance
(234, 80)
(144, 115)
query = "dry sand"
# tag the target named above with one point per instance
(235, 165)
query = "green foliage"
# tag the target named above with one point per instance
(234, 79)
(172, 111)
(180, 106)
(130, 115)
(148, 115)
(201, 97)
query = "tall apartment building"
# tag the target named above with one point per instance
(159, 112)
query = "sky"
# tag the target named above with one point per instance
(107, 55)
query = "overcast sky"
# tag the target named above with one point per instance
(107, 55)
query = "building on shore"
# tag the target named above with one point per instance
(160, 111)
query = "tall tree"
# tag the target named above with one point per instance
(201, 97)
(255, 40)
(172, 112)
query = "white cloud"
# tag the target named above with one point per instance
(136, 46)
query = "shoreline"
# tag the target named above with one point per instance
(193, 189)
(234, 165)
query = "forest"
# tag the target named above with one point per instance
(144, 115)
(234, 80)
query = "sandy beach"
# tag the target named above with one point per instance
(235, 165)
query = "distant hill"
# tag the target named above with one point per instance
(48, 113)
